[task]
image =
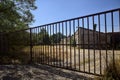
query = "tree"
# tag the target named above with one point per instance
(43, 37)
(56, 38)
(94, 27)
(73, 42)
(16, 14)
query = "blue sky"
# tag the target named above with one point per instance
(56, 10)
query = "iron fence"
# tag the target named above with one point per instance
(85, 44)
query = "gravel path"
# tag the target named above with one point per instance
(39, 72)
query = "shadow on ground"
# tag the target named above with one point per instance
(38, 72)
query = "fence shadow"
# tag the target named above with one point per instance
(63, 73)
(37, 72)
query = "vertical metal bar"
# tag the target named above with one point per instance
(35, 36)
(63, 42)
(36, 45)
(94, 43)
(113, 38)
(47, 46)
(83, 44)
(56, 46)
(53, 49)
(46, 43)
(39, 45)
(43, 46)
(70, 45)
(59, 46)
(42, 55)
(74, 44)
(50, 48)
(100, 44)
(88, 44)
(34, 49)
(79, 43)
(31, 60)
(106, 39)
(33, 30)
(66, 46)
(119, 20)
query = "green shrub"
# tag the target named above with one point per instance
(73, 42)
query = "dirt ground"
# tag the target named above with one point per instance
(43, 72)
(39, 72)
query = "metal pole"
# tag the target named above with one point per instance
(31, 46)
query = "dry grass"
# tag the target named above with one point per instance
(111, 71)
(53, 53)
(70, 55)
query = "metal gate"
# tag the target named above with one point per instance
(84, 44)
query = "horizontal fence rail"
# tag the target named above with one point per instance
(85, 44)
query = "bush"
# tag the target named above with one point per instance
(112, 71)
(73, 42)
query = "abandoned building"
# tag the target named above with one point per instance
(88, 38)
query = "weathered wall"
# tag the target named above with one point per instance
(90, 38)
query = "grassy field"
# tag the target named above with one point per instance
(80, 59)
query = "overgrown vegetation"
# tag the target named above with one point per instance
(14, 15)
(112, 71)
(12, 49)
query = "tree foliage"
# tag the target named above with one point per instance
(44, 37)
(16, 14)
(56, 38)
(73, 42)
